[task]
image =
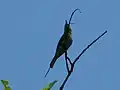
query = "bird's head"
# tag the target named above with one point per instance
(67, 27)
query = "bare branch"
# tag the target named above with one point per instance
(62, 86)
(89, 46)
(69, 60)
(66, 61)
(72, 64)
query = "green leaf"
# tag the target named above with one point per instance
(50, 85)
(7, 88)
(45, 89)
(5, 84)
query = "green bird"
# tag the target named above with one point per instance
(64, 43)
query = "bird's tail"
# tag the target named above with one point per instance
(47, 72)
(51, 65)
(53, 62)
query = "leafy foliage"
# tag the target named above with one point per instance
(5, 84)
(50, 85)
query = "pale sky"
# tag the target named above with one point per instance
(30, 30)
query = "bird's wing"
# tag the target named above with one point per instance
(61, 42)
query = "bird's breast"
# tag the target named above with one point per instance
(69, 41)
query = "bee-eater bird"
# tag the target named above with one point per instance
(64, 43)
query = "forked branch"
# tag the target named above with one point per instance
(70, 69)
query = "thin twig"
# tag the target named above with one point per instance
(89, 46)
(67, 66)
(72, 64)
(69, 60)
(68, 75)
